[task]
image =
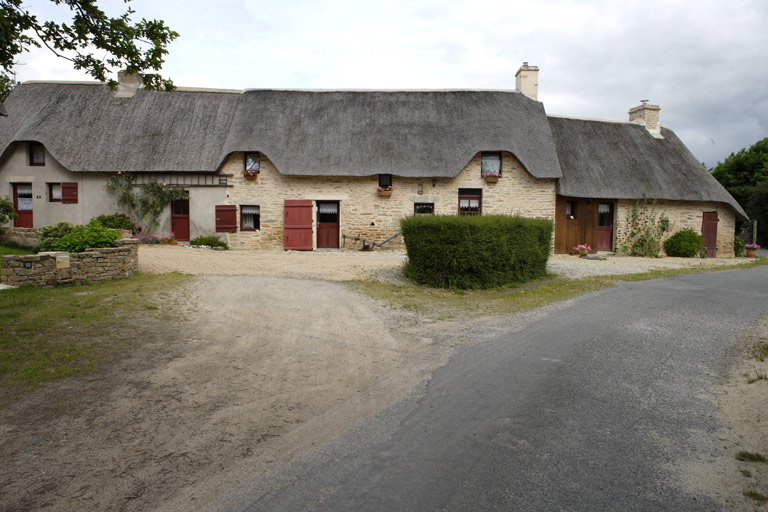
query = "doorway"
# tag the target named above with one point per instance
(709, 231)
(605, 227)
(328, 224)
(22, 203)
(180, 219)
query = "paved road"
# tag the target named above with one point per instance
(591, 408)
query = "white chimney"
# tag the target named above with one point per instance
(648, 116)
(127, 85)
(527, 81)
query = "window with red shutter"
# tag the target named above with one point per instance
(69, 193)
(226, 218)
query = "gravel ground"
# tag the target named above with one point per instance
(382, 265)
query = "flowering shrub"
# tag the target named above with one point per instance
(643, 229)
(167, 238)
(582, 248)
(751, 246)
(250, 173)
(149, 202)
(119, 221)
(384, 189)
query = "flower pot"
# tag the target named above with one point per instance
(574, 253)
(491, 179)
(249, 177)
(751, 253)
(385, 193)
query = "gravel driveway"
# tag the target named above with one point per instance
(382, 265)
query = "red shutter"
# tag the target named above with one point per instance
(226, 218)
(298, 225)
(69, 193)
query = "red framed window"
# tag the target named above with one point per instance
(36, 154)
(490, 163)
(226, 218)
(252, 162)
(470, 201)
(250, 218)
(62, 193)
(54, 192)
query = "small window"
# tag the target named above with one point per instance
(570, 210)
(490, 164)
(385, 182)
(470, 201)
(36, 154)
(252, 162)
(423, 208)
(54, 192)
(250, 218)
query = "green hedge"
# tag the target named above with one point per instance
(85, 237)
(470, 252)
(684, 244)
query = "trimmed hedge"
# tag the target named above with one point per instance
(467, 252)
(684, 244)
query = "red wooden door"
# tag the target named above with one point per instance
(180, 219)
(22, 203)
(328, 225)
(298, 225)
(709, 231)
(605, 227)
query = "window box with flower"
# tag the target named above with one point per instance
(384, 191)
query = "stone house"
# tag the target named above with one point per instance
(299, 169)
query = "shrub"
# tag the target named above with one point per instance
(475, 252)
(643, 229)
(118, 221)
(210, 240)
(684, 244)
(50, 235)
(739, 249)
(86, 237)
(7, 212)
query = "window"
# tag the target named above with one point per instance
(36, 154)
(250, 218)
(226, 218)
(423, 208)
(54, 192)
(490, 164)
(570, 210)
(470, 201)
(385, 182)
(252, 162)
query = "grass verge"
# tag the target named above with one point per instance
(444, 304)
(50, 333)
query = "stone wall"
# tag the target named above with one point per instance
(364, 213)
(687, 214)
(22, 236)
(49, 269)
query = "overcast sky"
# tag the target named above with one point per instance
(704, 62)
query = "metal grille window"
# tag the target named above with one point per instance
(250, 218)
(470, 201)
(424, 208)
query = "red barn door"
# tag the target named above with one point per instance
(298, 225)
(709, 231)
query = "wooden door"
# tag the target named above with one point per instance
(605, 227)
(327, 224)
(22, 203)
(180, 219)
(297, 225)
(709, 231)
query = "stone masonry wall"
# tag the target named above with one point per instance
(687, 215)
(23, 236)
(62, 268)
(364, 213)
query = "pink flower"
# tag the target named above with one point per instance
(164, 183)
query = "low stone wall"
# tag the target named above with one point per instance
(49, 269)
(22, 236)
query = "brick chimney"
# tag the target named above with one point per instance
(527, 81)
(648, 116)
(127, 85)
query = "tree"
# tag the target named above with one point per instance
(120, 44)
(745, 176)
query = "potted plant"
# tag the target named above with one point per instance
(582, 249)
(250, 174)
(491, 177)
(168, 239)
(751, 248)
(385, 191)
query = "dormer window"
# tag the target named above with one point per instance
(490, 164)
(385, 182)
(252, 163)
(36, 154)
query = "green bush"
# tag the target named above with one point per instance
(86, 237)
(7, 213)
(50, 235)
(475, 252)
(684, 244)
(118, 221)
(739, 250)
(211, 240)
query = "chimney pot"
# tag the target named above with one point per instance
(527, 81)
(127, 85)
(648, 116)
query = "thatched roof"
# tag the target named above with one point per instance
(321, 133)
(2, 110)
(406, 133)
(613, 160)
